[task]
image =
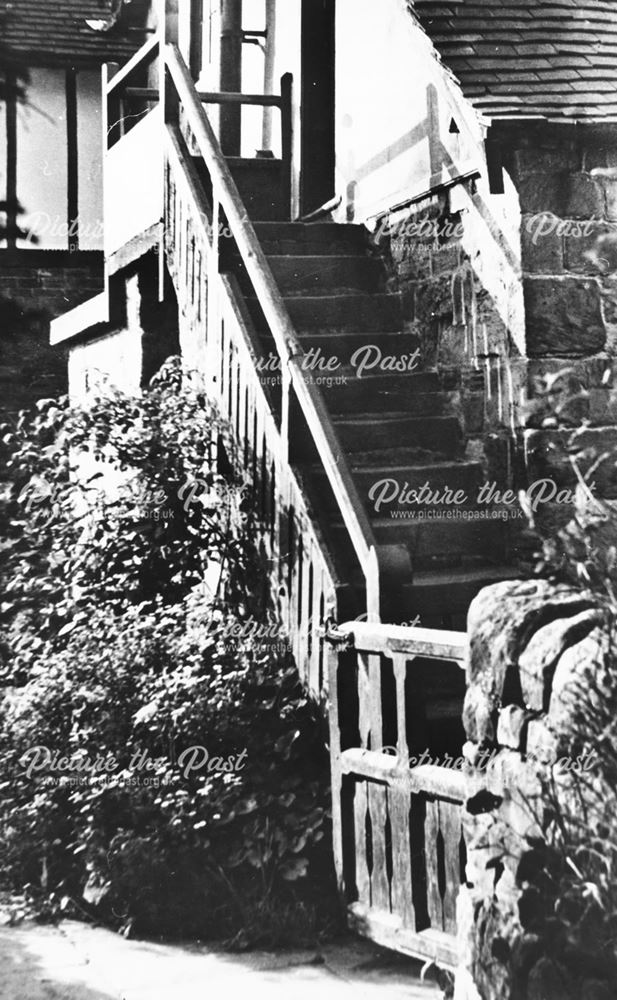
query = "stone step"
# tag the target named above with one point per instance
(323, 274)
(340, 354)
(260, 183)
(299, 238)
(351, 313)
(431, 592)
(455, 476)
(351, 394)
(362, 432)
(441, 599)
(432, 545)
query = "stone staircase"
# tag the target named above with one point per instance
(406, 427)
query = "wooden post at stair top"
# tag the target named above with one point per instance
(287, 140)
(171, 27)
(196, 41)
(269, 63)
(113, 110)
(231, 75)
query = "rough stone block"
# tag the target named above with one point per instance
(599, 156)
(568, 195)
(564, 316)
(580, 660)
(608, 287)
(584, 197)
(538, 660)
(477, 717)
(445, 259)
(511, 726)
(541, 741)
(609, 187)
(591, 372)
(541, 252)
(539, 192)
(592, 252)
(538, 160)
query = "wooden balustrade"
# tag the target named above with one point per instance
(399, 847)
(226, 349)
(225, 207)
(129, 92)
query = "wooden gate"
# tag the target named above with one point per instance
(395, 710)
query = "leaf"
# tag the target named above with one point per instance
(69, 627)
(295, 870)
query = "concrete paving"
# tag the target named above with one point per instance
(74, 961)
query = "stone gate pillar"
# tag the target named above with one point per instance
(530, 641)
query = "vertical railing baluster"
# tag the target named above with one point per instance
(400, 673)
(287, 142)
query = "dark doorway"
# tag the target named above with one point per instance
(317, 140)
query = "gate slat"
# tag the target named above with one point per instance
(364, 703)
(374, 675)
(378, 809)
(363, 878)
(451, 828)
(431, 833)
(402, 904)
(400, 670)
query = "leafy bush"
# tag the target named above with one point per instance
(180, 850)
(128, 641)
(569, 874)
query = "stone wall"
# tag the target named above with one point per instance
(567, 186)
(461, 294)
(531, 644)
(449, 257)
(36, 287)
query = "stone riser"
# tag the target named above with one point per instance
(320, 275)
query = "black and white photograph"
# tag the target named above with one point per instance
(308, 499)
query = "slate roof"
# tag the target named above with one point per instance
(55, 31)
(554, 59)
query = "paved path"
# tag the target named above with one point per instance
(74, 961)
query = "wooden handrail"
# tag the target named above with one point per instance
(288, 346)
(258, 100)
(227, 97)
(390, 640)
(430, 779)
(146, 53)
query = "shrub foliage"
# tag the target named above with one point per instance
(157, 764)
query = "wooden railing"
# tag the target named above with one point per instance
(219, 339)
(399, 848)
(128, 92)
(151, 95)
(224, 210)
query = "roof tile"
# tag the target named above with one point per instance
(538, 58)
(55, 31)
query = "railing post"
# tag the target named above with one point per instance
(332, 657)
(285, 407)
(231, 75)
(213, 317)
(373, 599)
(287, 139)
(169, 94)
(112, 108)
